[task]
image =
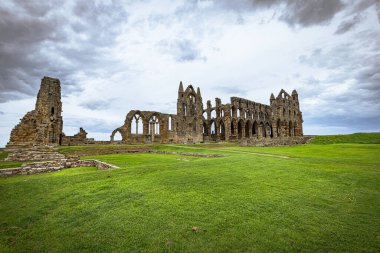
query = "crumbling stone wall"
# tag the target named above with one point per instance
(43, 125)
(244, 121)
(78, 139)
(57, 165)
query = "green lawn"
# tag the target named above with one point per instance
(6, 165)
(367, 138)
(308, 198)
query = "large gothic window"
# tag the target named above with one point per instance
(154, 125)
(136, 124)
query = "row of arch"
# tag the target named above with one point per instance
(237, 113)
(152, 124)
(248, 114)
(240, 128)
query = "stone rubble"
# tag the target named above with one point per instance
(57, 165)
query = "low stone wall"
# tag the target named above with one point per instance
(50, 166)
(33, 153)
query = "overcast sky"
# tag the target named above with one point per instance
(115, 56)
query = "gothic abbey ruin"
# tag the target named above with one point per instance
(242, 121)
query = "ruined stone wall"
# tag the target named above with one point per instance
(57, 165)
(243, 121)
(78, 139)
(43, 125)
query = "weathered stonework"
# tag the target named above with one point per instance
(78, 139)
(51, 166)
(243, 121)
(34, 153)
(43, 125)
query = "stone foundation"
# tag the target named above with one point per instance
(51, 166)
(34, 153)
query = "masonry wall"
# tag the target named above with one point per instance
(243, 121)
(43, 125)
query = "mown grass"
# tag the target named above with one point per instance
(363, 138)
(321, 198)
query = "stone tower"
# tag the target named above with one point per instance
(189, 114)
(43, 125)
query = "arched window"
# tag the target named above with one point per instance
(222, 131)
(154, 125)
(247, 127)
(136, 124)
(205, 130)
(240, 129)
(221, 113)
(254, 128)
(205, 114)
(170, 123)
(117, 136)
(213, 114)
(238, 113)
(213, 128)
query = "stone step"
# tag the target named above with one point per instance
(34, 154)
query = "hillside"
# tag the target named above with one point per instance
(362, 138)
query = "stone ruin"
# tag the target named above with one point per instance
(242, 121)
(43, 125)
(78, 139)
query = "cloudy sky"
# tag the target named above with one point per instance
(115, 56)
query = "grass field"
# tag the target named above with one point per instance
(311, 198)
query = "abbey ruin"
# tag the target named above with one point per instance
(241, 121)
(43, 125)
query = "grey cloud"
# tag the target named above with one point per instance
(307, 13)
(232, 90)
(54, 39)
(292, 12)
(354, 64)
(96, 105)
(365, 4)
(182, 50)
(348, 25)
(1, 113)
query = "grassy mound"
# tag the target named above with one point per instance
(308, 198)
(362, 138)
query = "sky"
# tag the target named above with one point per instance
(115, 56)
